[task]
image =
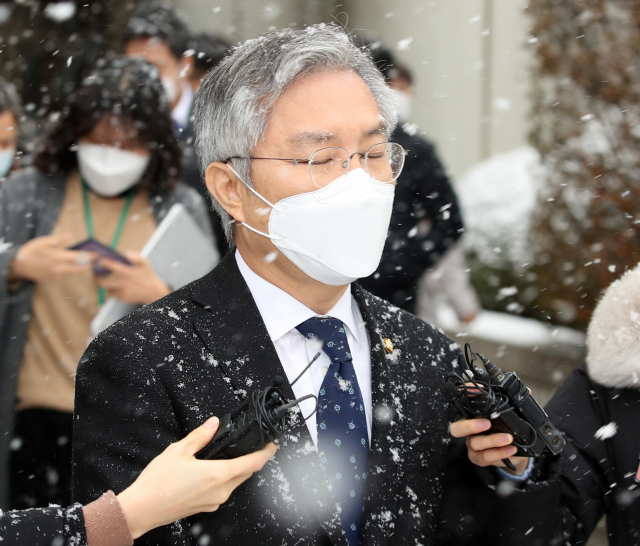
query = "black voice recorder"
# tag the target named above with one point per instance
(261, 418)
(502, 398)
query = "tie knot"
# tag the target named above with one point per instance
(331, 332)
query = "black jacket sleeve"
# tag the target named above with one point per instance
(424, 196)
(584, 483)
(481, 509)
(43, 527)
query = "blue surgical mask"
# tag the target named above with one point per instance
(6, 161)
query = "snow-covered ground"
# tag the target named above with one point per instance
(503, 328)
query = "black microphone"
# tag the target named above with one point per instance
(449, 390)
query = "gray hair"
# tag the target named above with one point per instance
(235, 101)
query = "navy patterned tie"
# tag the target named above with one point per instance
(343, 442)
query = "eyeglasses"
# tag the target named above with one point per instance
(382, 161)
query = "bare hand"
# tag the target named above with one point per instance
(48, 259)
(136, 283)
(488, 450)
(176, 485)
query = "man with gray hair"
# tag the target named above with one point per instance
(292, 137)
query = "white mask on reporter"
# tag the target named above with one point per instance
(335, 234)
(108, 170)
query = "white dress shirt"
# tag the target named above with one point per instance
(180, 114)
(281, 314)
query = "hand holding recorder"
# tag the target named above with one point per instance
(502, 419)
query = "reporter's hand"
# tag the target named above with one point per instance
(176, 485)
(488, 450)
(48, 259)
(136, 283)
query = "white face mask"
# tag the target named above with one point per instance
(170, 89)
(6, 161)
(335, 234)
(404, 104)
(109, 170)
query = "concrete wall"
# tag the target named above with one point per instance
(470, 62)
(469, 58)
(244, 19)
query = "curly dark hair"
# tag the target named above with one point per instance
(131, 89)
(159, 20)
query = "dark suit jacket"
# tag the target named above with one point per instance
(164, 369)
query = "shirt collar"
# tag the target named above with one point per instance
(281, 312)
(180, 114)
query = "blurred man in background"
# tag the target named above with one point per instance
(208, 50)
(426, 219)
(159, 34)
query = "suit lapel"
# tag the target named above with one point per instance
(382, 477)
(229, 324)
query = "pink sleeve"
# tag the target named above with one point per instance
(105, 522)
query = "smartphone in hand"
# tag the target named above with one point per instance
(103, 251)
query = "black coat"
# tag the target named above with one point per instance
(163, 370)
(598, 475)
(423, 192)
(43, 527)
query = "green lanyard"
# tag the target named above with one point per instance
(116, 236)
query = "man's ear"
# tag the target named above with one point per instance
(226, 188)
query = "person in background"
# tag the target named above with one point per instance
(108, 169)
(448, 281)
(598, 410)
(426, 219)
(157, 33)
(209, 49)
(174, 485)
(10, 114)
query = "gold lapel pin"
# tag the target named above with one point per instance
(388, 345)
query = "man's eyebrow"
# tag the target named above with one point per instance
(377, 130)
(305, 138)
